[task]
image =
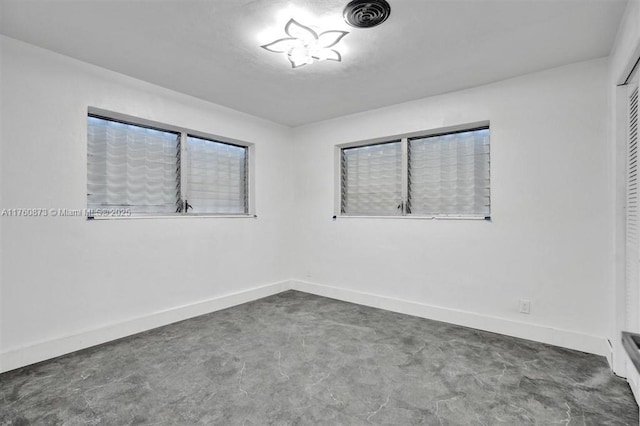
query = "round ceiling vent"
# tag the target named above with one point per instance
(366, 13)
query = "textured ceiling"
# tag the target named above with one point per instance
(211, 49)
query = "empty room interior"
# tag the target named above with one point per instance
(251, 212)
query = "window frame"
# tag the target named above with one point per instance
(184, 182)
(404, 138)
(403, 188)
(183, 133)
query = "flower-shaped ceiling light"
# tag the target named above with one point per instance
(303, 46)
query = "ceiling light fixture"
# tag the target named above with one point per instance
(304, 45)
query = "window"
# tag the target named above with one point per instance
(217, 176)
(153, 171)
(438, 175)
(372, 179)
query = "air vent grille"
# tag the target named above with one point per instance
(366, 13)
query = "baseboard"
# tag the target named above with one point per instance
(41, 351)
(633, 378)
(553, 336)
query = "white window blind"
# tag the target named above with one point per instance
(372, 179)
(217, 177)
(439, 175)
(132, 167)
(448, 175)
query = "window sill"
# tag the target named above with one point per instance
(418, 217)
(175, 216)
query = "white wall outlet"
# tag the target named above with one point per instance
(525, 306)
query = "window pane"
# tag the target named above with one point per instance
(371, 179)
(449, 174)
(131, 167)
(217, 177)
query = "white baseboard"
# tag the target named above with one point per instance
(41, 351)
(633, 378)
(20, 357)
(553, 336)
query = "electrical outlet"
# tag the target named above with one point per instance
(525, 306)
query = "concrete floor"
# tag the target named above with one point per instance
(295, 358)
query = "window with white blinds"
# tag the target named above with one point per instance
(449, 174)
(372, 179)
(217, 176)
(132, 167)
(439, 175)
(154, 171)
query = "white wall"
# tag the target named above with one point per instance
(64, 276)
(549, 241)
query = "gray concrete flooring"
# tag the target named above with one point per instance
(295, 358)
